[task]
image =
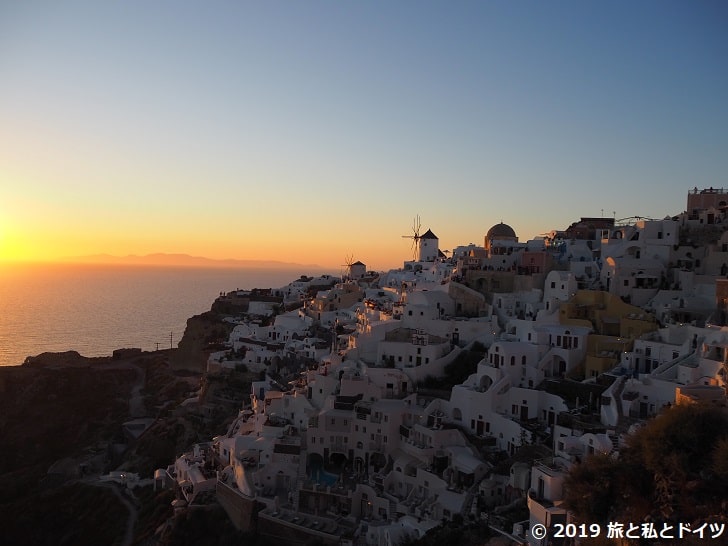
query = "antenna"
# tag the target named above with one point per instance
(415, 236)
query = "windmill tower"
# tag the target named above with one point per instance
(357, 270)
(429, 247)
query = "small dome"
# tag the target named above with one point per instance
(501, 231)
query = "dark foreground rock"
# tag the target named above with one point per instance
(62, 425)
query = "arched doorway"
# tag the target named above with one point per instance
(337, 463)
(378, 461)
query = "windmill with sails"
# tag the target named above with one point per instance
(352, 270)
(425, 247)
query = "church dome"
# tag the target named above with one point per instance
(501, 231)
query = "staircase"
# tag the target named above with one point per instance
(545, 359)
(472, 491)
(392, 510)
(614, 437)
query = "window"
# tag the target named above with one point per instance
(553, 285)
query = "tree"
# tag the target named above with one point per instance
(675, 450)
(720, 460)
(675, 467)
(590, 489)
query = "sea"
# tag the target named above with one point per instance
(95, 309)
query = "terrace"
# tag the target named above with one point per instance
(328, 527)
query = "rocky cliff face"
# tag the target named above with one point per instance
(204, 333)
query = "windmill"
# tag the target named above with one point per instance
(415, 237)
(349, 259)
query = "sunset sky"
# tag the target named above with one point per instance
(307, 131)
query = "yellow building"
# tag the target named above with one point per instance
(615, 324)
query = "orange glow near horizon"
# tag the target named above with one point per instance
(44, 245)
(40, 232)
(35, 230)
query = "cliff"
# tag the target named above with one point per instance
(203, 334)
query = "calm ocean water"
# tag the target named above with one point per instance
(96, 309)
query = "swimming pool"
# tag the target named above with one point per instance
(321, 477)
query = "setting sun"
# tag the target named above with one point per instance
(9, 250)
(13, 247)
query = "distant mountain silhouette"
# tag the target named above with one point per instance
(185, 260)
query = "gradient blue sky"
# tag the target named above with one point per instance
(308, 131)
